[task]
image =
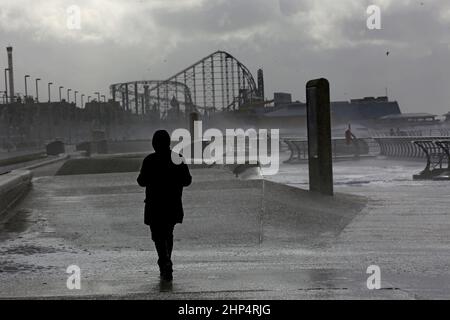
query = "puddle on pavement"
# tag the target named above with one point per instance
(14, 267)
(19, 222)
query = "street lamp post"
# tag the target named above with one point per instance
(49, 95)
(6, 84)
(37, 90)
(60, 87)
(68, 95)
(76, 98)
(26, 87)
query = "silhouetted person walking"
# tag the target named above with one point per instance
(164, 174)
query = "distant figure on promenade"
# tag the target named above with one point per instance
(349, 136)
(350, 139)
(164, 175)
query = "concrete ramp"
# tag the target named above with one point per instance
(294, 215)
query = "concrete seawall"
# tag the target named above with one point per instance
(13, 186)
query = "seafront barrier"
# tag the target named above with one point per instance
(13, 186)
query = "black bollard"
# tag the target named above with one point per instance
(319, 136)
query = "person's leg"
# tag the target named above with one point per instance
(170, 241)
(168, 246)
(162, 235)
(158, 238)
(163, 256)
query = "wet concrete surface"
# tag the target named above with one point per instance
(240, 239)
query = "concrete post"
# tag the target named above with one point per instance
(319, 136)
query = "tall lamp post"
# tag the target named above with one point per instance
(68, 95)
(82, 96)
(60, 87)
(26, 87)
(75, 98)
(6, 84)
(49, 95)
(37, 90)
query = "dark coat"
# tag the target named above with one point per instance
(164, 182)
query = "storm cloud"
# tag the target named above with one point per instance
(292, 40)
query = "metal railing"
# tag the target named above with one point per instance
(424, 132)
(436, 151)
(298, 148)
(405, 147)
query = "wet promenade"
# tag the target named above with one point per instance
(240, 239)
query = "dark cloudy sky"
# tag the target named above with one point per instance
(292, 40)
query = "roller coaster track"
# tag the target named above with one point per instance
(216, 82)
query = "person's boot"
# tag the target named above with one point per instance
(167, 271)
(164, 262)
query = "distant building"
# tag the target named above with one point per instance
(281, 99)
(447, 117)
(408, 119)
(286, 113)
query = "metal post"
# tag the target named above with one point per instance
(37, 90)
(49, 95)
(6, 85)
(113, 92)
(123, 99)
(146, 99)
(127, 105)
(261, 83)
(136, 100)
(11, 74)
(319, 136)
(26, 87)
(158, 97)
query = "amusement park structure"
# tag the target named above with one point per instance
(218, 82)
